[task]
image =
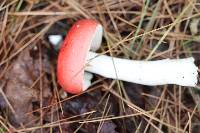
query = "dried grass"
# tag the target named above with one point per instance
(135, 29)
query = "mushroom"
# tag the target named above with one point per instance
(74, 57)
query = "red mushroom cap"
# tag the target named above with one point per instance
(72, 55)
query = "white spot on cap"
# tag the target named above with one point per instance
(78, 26)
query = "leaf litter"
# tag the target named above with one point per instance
(21, 88)
(30, 70)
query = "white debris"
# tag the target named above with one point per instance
(55, 40)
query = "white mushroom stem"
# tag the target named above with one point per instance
(87, 80)
(168, 71)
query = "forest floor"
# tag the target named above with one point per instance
(31, 100)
